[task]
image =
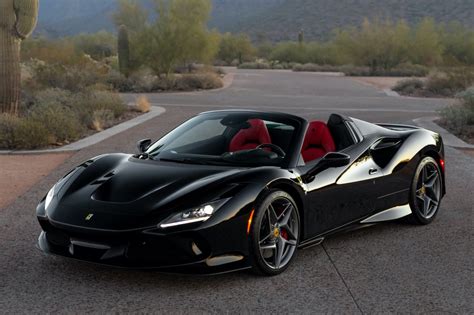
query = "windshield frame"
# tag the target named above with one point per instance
(289, 161)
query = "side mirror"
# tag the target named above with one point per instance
(330, 160)
(336, 159)
(143, 145)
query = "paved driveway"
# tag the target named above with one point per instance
(385, 268)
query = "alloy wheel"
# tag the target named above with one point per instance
(279, 231)
(428, 190)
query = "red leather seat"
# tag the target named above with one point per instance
(318, 141)
(251, 138)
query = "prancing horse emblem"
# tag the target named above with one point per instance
(89, 216)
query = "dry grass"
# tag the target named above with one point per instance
(142, 104)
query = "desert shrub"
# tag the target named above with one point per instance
(88, 102)
(459, 117)
(60, 121)
(290, 52)
(468, 97)
(99, 45)
(70, 77)
(450, 81)
(102, 119)
(50, 51)
(311, 67)
(120, 82)
(409, 86)
(408, 70)
(198, 81)
(355, 71)
(21, 133)
(255, 65)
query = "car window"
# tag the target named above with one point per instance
(227, 138)
(201, 132)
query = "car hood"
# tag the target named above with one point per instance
(126, 192)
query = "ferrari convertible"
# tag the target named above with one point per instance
(230, 190)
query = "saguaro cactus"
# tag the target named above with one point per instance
(124, 50)
(301, 37)
(17, 21)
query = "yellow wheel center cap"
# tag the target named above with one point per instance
(276, 232)
(423, 190)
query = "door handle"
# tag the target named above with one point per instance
(373, 171)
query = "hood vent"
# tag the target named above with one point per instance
(103, 179)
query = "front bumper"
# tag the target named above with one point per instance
(213, 250)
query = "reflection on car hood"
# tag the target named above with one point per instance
(121, 185)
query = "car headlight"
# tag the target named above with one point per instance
(198, 214)
(49, 197)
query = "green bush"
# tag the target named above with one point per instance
(21, 133)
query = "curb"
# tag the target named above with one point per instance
(392, 93)
(155, 111)
(448, 138)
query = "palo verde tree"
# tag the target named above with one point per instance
(17, 21)
(180, 35)
(236, 47)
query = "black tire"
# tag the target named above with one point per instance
(422, 214)
(260, 261)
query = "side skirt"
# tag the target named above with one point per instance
(386, 215)
(389, 214)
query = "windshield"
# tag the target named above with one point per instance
(229, 139)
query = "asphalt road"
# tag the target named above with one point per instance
(389, 267)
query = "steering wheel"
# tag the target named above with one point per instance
(274, 148)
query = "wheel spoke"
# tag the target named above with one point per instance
(272, 215)
(286, 216)
(291, 242)
(266, 238)
(280, 248)
(269, 246)
(431, 181)
(432, 194)
(424, 175)
(419, 194)
(284, 211)
(426, 205)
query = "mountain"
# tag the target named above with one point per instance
(273, 19)
(319, 17)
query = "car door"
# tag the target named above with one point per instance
(339, 196)
(393, 187)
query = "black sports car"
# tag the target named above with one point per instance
(230, 190)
